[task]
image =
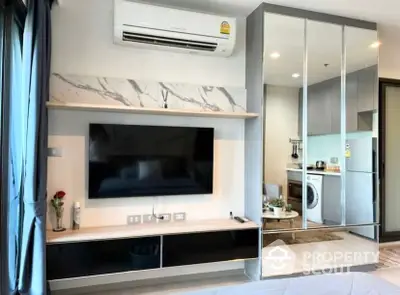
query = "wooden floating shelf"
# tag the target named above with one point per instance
(148, 111)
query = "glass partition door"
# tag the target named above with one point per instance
(284, 51)
(324, 118)
(321, 114)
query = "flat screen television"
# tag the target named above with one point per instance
(140, 161)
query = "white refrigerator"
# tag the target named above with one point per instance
(361, 180)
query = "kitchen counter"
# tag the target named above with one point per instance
(315, 172)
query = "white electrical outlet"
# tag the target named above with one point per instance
(134, 219)
(334, 160)
(149, 218)
(180, 216)
(166, 217)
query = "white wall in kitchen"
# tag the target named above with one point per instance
(282, 105)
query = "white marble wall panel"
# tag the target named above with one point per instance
(128, 92)
(205, 98)
(104, 91)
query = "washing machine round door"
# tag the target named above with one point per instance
(312, 196)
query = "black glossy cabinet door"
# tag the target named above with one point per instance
(102, 257)
(209, 247)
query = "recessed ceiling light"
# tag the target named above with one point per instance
(375, 44)
(275, 55)
(296, 75)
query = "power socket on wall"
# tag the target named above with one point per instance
(134, 219)
(149, 218)
(166, 217)
(180, 216)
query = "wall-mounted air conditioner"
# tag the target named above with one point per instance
(157, 27)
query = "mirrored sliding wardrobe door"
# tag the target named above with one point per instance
(322, 140)
(360, 154)
(283, 163)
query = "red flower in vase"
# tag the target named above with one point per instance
(59, 195)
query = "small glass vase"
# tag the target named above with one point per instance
(59, 220)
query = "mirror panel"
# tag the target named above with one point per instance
(283, 74)
(324, 116)
(324, 131)
(360, 153)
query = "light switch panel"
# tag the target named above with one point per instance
(334, 160)
(54, 152)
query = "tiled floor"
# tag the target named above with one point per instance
(178, 288)
(270, 224)
(327, 255)
(391, 275)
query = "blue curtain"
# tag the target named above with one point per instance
(28, 148)
(15, 155)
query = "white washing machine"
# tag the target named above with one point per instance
(314, 198)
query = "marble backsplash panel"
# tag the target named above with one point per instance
(147, 94)
(103, 91)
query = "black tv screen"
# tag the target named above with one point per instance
(139, 161)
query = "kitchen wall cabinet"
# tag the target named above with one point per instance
(324, 111)
(352, 102)
(300, 125)
(319, 109)
(367, 89)
(334, 96)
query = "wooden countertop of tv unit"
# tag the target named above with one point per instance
(145, 230)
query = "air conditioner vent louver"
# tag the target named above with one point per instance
(170, 42)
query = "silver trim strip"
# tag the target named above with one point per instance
(341, 227)
(161, 250)
(305, 125)
(343, 128)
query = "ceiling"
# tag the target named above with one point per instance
(385, 13)
(324, 40)
(285, 35)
